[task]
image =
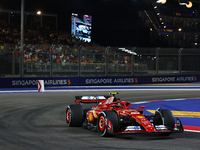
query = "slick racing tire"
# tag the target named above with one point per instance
(166, 118)
(74, 115)
(107, 123)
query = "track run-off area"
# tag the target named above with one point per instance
(36, 120)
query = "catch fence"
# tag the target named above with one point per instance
(63, 60)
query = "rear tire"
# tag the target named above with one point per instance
(103, 125)
(74, 115)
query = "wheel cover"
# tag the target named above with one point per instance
(68, 116)
(102, 124)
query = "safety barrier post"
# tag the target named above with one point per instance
(179, 60)
(51, 61)
(13, 60)
(21, 61)
(157, 60)
(79, 60)
(21, 68)
(106, 61)
(133, 61)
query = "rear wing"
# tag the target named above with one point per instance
(90, 99)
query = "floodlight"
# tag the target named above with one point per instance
(189, 4)
(39, 12)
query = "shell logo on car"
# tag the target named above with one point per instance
(140, 117)
(90, 116)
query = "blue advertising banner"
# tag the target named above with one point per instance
(108, 80)
(96, 81)
(175, 79)
(32, 82)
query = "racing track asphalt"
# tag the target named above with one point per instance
(30, 121)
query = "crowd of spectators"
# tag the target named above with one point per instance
(38, 40)
(41, 44)
(10, 34)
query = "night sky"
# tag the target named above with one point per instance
(114, 21)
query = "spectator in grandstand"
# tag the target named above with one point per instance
(58, 60)
(99, 65)
(68, 61)
(84, 61)
(90, 61)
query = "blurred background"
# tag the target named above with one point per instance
(129, 37)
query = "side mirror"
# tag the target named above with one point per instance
(141, 106)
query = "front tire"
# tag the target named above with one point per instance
(74, 115)
(107, 123)
(166, 118)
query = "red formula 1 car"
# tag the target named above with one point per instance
(111, 116)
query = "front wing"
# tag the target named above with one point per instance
(143, 131)
(159, 129)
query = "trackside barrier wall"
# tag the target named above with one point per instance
(96, 65)
(96, 81)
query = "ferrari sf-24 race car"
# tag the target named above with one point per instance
(110, 116)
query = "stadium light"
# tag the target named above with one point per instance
(39, 12)
(128, 51)
(161, 1)
(189, 4)
(164, 1)
(181, 3)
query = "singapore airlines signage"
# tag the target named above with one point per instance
(34, 82)
(173, 79)
(110, 81)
